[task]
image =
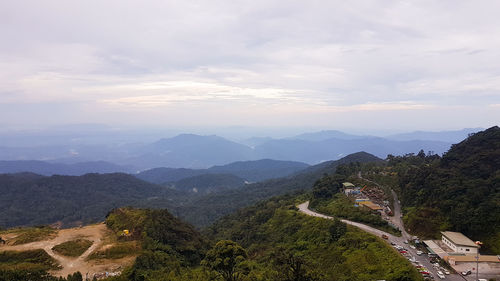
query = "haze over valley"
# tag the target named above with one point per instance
(249, 140)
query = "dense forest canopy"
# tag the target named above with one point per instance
(459, 191)
(29, 199)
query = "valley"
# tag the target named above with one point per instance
(303, 214)
(225, 140)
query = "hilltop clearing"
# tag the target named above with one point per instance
(99, 236)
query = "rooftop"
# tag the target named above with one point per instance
(370, 205)
(347, 184)
(459, 239)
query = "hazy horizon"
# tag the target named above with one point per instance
(223, 131)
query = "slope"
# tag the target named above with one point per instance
(462, 188)
(204, 210)
(28, 199)
(257, 170)
(208, 183)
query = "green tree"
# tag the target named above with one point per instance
(291, 266)
(337, 230)
(225, 258)
(77, 276)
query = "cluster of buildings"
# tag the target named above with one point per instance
(456, 248)
(361, 199)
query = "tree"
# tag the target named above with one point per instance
(77, 276)
(291, 266)
(225, 258)
(337, 230)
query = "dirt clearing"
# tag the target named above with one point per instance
(97, 233)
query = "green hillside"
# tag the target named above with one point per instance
(268, 241)
(283, 244)
(208, 183)
(204, 210)
(458, 192)
(28, 199)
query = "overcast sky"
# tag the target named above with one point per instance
(334, 64)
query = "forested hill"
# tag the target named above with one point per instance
(209, 183)
(459, 192)
(203, 211)
(29, 199)
(478, 156)
(253, 171)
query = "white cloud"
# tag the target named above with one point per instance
(326, 56)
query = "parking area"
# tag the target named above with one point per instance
(465, 265)
(426, 264)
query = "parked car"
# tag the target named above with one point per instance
(385, 236)
(419, 253)
(440, 274)
(467, 272)
(446, 271)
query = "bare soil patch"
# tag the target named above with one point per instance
(97, 234)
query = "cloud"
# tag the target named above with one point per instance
(170, 92)
(332, 56)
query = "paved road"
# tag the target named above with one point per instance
(396, 219)
(304, 208)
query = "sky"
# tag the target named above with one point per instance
(377, 65)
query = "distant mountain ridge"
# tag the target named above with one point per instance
(325, 135)
(30, 199)
(446, 136)
(207, 183)
(201, 152)
(49, 169)
(253, 171)
(190, 151)
(318, 151)
(202, 211)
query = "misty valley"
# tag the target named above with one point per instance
(217, 213)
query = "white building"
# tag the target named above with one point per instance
(459, 243)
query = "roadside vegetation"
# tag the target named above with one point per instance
(327, 199)
(459, 191)
(74, 248)
(283, 244)
(342, 207)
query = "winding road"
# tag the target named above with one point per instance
(396, 220)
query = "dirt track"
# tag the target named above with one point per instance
(94, 233)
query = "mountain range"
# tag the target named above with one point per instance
(200, 152)
(252, 171)
(49, 169)
(30, 199)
